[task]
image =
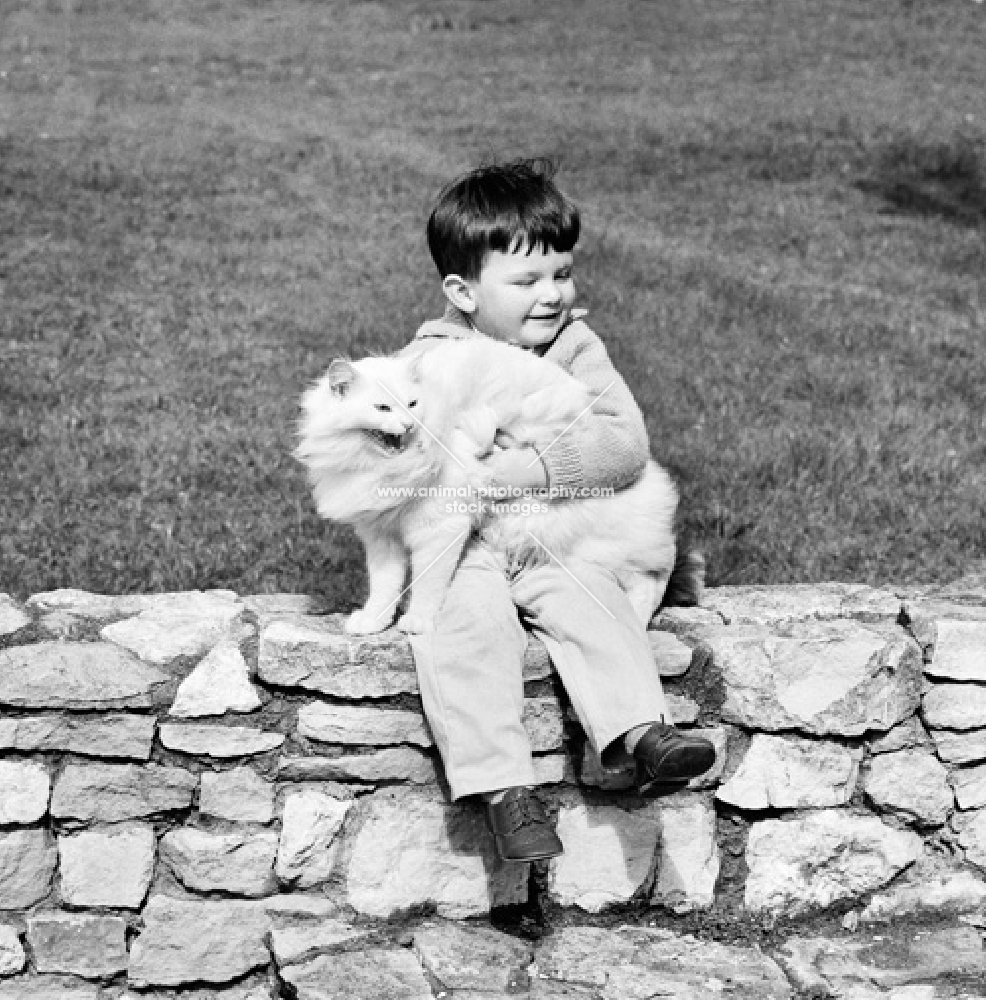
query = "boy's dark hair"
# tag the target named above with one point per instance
(499, 207)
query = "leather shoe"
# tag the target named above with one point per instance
(520, 827)
(668, 759)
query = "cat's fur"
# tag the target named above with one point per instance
(376, 433)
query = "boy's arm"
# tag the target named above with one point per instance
(606, 447)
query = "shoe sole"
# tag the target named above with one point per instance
(657, 787)
(531, 857)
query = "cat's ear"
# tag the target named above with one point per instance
(414, 367)
(341, 375)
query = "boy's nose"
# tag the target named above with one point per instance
(551, 292)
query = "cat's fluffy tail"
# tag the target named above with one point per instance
(687, 580)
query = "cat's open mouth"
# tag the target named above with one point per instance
(390, 444)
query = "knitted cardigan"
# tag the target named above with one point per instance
(607, 447)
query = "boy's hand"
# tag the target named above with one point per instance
(520, 468)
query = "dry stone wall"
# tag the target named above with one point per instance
(198, 787)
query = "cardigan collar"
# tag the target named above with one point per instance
(455, 325)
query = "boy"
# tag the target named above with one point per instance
(502, 239)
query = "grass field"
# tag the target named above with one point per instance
(202, 203)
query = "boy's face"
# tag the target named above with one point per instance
(522, 298)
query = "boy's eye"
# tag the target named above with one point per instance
(383, 406)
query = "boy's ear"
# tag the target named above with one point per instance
(459, 293)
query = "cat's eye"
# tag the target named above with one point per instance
(385, 407)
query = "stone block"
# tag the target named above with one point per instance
(105, 606)
(186, 941)
(48, 988)
(298, 905)
(609, 854)
(835, 967)
(958, 651)
(121, 735)
(932, 886)
(666, 847)
(27, 865)
(303, 942)
(24, 791)
(968, 589)
(957, 623)
(435, 852)
(971, 830)
(584, 955)
(309, 842)
(160, 639)
(389, 764)
(12, 617)
(107, 866)
(818, 859)
(278, 605)
(362, 725)
(552, 769)
(643, 963)
(907, 735)
(684, 710)
(220, 683)
(77, 675)
(93, 947)
(373, 974)
(970, 786)
(776, 605)
(545, 723)
(163, 630)
(822, 678)
(955, 706)
(690, 624)
(912, 783)
(312, 652)
(688, 852)
(62, 625)
(223, 742)
(109, 793)
(961, 748)
(241, 864)
(12, 957)
(671, 656)
(779, 772)
(466, 957)
(239, 794)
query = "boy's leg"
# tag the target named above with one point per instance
(470, 675)
(601, 652)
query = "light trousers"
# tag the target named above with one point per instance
(470, 667)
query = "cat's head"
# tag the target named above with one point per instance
(377, 397)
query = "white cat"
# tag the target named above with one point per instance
(384, 438)
(379, 434)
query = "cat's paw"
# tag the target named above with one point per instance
(415, 624)
(364, 622)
